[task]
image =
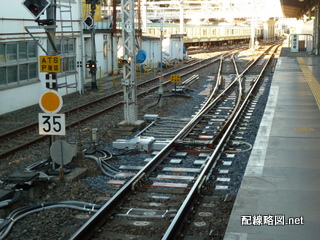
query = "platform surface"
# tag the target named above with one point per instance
(279, 198)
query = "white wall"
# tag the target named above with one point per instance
(174, 47)
(152, 48)
(14, 17)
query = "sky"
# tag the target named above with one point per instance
(259, 8)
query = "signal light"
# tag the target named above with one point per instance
(36, 7)
(92, 65)
(88, 21)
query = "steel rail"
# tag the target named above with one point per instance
(99, 218)
(33, 127)
(177, 223)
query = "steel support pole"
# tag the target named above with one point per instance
(144, 15)
(160, 91)
(82, 54)
(181, 17)
(51, 49)
(129, 63)
(94, 86)
(316, 29)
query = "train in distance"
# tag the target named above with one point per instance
(206, 32)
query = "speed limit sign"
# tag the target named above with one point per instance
(52, 124)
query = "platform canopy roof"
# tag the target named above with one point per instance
(296, 8)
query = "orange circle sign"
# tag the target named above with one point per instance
(50, 102)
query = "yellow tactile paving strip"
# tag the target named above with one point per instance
(313, 83)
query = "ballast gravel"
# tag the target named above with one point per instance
(61, 223)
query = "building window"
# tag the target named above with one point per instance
(204, 32)
(105, 49)
(18, 63)
(67, 51)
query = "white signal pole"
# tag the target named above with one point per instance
(181, 17)
(252, 42)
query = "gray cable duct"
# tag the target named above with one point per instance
(98, 160)
(82, 206)
(103, 159)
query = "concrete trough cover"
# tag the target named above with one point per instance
(221, 187)
(170, 185)
(154, 153)
(220, 179)
(204, 155)
(206, 137)
(217, 120)
(161, 197)
(128, 167)
(175, 161)
(205, 92)
(227, 163)
(155, 204)
(180, 170)
(223, 171)
(83, 216)
(172, 177)
(116, 182)
(180, 154)
(124, 175)
(199, 162)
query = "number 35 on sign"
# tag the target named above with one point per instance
(52, 124)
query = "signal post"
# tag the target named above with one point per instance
(50, 122)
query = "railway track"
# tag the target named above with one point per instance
(157, 199)
(25, 136)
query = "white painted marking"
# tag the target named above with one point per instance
(259, 150)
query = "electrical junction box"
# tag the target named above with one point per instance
(145, 143)
(138, 143)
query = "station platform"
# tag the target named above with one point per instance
(279, 197)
